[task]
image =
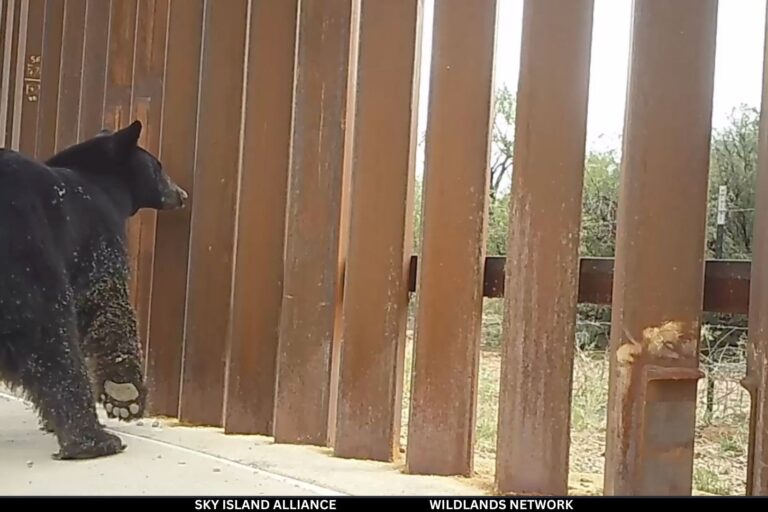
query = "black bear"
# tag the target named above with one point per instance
(64, 271)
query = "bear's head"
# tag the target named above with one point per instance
(118, 159)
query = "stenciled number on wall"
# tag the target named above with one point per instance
(32, 78)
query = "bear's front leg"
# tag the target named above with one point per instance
(111, 342)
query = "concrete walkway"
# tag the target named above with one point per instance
(165, 459)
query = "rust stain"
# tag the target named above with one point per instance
(668, 341)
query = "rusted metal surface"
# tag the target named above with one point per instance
(217, 165)
(94, 68)
(18, 91)
(70, 79)
(258, 285)
(310, 291)
(543, 248)
(122, 40)
(12, 104)
(31, 81)
(376, 273)
(658, 285)
(4, 45)
(726, 282)
(53, 28)
(6, 35)
(177, 152)
(726, 286)
(3, 7)
(146, 105)
(756, 379)
(595, 280)
(349, 123)
(5, 61)
(20, 46)
(446, 348)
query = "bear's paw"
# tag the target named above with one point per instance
(122, 400)
(90, 445)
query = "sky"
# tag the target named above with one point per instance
(738, 66)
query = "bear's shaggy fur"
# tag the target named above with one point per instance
(112, 346)
(64, 271)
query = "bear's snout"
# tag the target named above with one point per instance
(182, 196)
(175, 198)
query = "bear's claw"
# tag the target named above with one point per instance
(97, 444)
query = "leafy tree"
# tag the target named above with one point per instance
(733, 163)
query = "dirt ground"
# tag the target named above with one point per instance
(721, 437)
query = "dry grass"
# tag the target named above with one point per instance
(721, 437)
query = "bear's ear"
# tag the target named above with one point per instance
(128, 138)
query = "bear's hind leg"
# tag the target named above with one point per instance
(13, 360)
(46, 423)
(56, 380)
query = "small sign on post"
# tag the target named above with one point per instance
(721, 202)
